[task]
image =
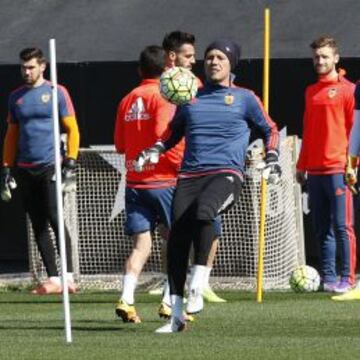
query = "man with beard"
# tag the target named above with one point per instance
(29, 145)
(328, 119)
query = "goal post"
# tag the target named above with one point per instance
(100, 246)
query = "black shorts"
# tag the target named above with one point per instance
(206, 197)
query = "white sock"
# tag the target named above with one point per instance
(177, 303)
(207, 277)
(70, 276)
(189, 276)
(55, 279)
(129, 285)
(166, 295)
(357, 285)
(197, 278)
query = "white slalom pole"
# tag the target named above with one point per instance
(59, 198)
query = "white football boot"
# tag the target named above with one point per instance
(174, 325)
(195, 301)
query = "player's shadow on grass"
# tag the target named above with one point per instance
(79, 325)
(20, 302)
(55, 301)
(74, 328)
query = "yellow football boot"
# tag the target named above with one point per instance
(350, 295)
(127, 312)
(165, 313)
(210, 297)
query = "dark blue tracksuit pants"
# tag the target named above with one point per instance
(332, 217)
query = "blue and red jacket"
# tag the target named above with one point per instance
(217, 126)
(30, 109)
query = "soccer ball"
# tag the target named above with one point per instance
(178, 85)
(304, 279)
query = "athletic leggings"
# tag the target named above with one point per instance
(38, 190)
(197, 202)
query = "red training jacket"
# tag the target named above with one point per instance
(142, 118)
(328, 118)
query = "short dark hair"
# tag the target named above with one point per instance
(325, 41)
(31, 53)
(174, 40)
(152, 61)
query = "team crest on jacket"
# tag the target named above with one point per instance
(45, 98)
(229, 99)
(332, 93)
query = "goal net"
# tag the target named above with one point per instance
(95, 217)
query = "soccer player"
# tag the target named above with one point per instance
(29, 145)
(351, 178)
(216, 126)
(180, 51)
(328, 119)
(142, 117)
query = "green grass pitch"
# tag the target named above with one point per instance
(285, 326)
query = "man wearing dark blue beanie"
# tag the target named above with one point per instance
(216, 126)
(229, 48)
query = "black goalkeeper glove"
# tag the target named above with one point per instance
(150, 155)
(7, 183)
(68, 175)
(272, 170)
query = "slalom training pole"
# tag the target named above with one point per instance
(263, 195)
(59, 198)
(266, 62)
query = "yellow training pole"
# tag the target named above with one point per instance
(263, 195)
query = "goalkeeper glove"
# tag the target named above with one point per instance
(351, 173)
(301, 177)
(68, 175)
(150, 155)
(7, 183)
(272, 170)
